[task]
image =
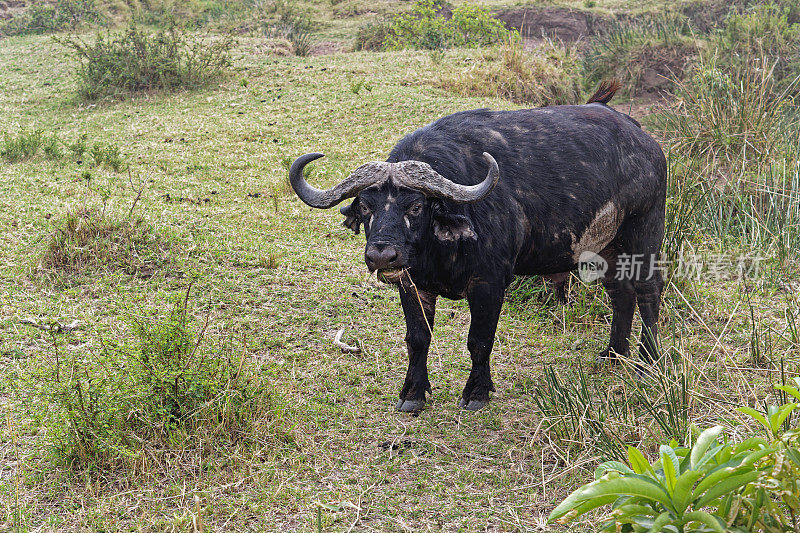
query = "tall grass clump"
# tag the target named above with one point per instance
(643, 53)
(44, 17)
(545, 76)
(160, 390)
(135, 60)
(92, 241)
(735, 141)
(763, 38)
(425, 27)
(578, 413)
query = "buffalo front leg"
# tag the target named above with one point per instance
(485, 302)
(419, 307)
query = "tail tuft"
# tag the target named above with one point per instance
(605, 92)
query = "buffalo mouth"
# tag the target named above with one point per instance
(390, 275)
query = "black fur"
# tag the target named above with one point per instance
(559, 167)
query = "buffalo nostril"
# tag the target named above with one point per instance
(380, 256)
(389, 255)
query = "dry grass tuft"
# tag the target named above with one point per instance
(92, 240)
(546, 76)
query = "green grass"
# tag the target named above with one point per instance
(277, 280)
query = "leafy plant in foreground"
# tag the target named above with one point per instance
(712, 486)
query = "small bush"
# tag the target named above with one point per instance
(88, 241)
(24, 145)
(42, 17)
(712, 485)
(106, 154)
(372, 36)
(135, 61)
(425, 27)
(161, 391)
(546, 76)
(27, 144)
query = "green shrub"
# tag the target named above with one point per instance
(42, 17)
(24, 145)
(161, 391)
(107, 154)
(714, 485)
(27, 144)
(424, 27)
(135, 60)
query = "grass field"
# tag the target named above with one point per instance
(273, 281)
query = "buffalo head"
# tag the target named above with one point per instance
(400, 205)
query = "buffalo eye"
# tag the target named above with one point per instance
(415, 209)
(364, 210)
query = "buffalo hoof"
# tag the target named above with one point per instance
(607, 357)
(472, 405)
(410, 406)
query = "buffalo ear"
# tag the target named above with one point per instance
(351, 219)
(452, 227)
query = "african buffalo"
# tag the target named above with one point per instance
(464, 204)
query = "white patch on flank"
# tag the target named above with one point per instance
(370, 220)
(408, 222)
(600, 231)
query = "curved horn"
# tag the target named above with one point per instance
(361, 178)
(421, 176)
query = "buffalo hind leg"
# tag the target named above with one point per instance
(648, 296)
(623, 304)
(419, 308)
(485, 302)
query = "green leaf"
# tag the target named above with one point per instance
(614, 466)
(669, 463)
(598, 492)
(794, 455)
(638, 462)
(752, 457)
(789, 390)
(728, 485)
(706, 439)
(755, 414)
(753, 443)
(662, 520)
(715, 523)
(683, 490)
(780, 416)
(713, 478)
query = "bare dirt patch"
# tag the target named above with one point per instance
(556, 22)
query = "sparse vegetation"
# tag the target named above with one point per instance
(135, 60)
(90, 240)
(48, 17)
